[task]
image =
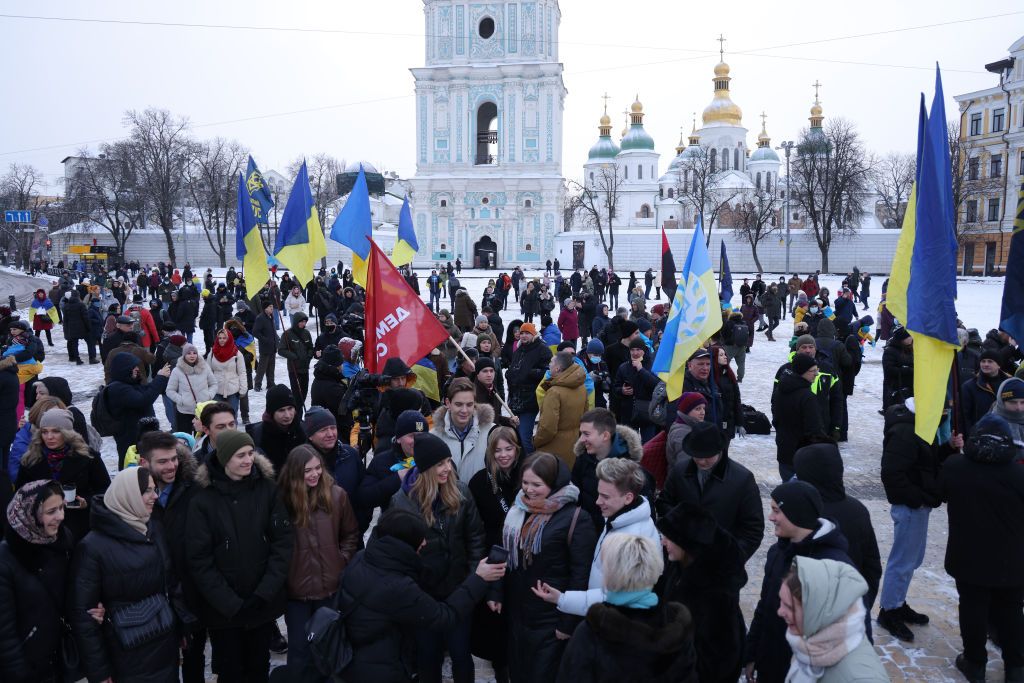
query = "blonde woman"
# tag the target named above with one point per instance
(454, 545)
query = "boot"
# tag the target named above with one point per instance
(974, 673)
(911, 617)
(892, 621)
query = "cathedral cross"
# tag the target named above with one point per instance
(721, 47)
(816, 85)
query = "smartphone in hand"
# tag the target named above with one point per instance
(497, 555)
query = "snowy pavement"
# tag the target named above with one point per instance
(930, 657)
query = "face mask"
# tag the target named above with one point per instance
(865, 329)
(814, 309)
(595, 359)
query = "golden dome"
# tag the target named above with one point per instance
(816, 109)
(637, 108)
(606, 121)
(721, 69)
(722, 109)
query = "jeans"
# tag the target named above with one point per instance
(909, 538)
(242, 655)
(430, 648)
(170, 413)
(791, 303)
(231, 400)
(435, 301)
(526, 424)
(296, 615)
(1003, 608)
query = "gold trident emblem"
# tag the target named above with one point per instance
(254, 183)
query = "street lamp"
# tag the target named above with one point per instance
(787, 146)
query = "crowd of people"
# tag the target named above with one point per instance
(526, 494)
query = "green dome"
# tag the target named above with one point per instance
(603, 149)
(764, 154)
(637, 138)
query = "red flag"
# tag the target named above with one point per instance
(398, 323)
(668, 268)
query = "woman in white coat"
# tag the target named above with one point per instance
(625, 511)
(191, 382)
(294, 303)
(228, 365)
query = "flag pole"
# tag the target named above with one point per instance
(466, 357)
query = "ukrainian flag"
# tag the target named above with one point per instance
(300, 239)
(353, 227)
(1011, 318)
(249, 247)
(694, 317)
(406, 245)
(930, 272)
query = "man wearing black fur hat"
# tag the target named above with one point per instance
(280, 430)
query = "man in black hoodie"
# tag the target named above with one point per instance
(280, 429)
(797, 517)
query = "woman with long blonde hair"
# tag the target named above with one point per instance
(326, 539)
(454, 545)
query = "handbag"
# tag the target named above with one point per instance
(140, 622)
(329, 646)
(641, 412)
(69, 648)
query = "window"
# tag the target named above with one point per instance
(529, 247)
(444, 203)
(639, 172)
(443, 246)
(486, 135)
(591, 177)
(757, 181)
(768, 181)
(686, 172)
(725, 159)
(626, 169)
(486, 28)
(1020, 166)
(671, 193)
(973, 168)
(652, 170)
(976, 123)
(996, 166)
(714, 157)
(998, 120)
(972, 211)
(736, 159)
(645, 211)
(796, 215)
(993, 209)
(529, 203)
(661, 192)
(485, 200)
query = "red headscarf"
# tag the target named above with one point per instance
(228, 350)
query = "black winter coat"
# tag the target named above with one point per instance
(732, 404)
(534, 652)
(455, 544)
(393, 403)
(33, 579)
(380, 484)
(328, 389)
(730, 495)
(297, 346)
(977, 395)
(821, 466)
(128, 400)
(386, 607)
(525, 372)
(897, 373)
(985, 504)
(494, 506)
(264, 332)
(796, 415)
(710, 589)
(766, 640)
(172, 520)
(910, 467)
(625, 645)
(276, 443)
(239, 546)
(117, 565)
(76, 319)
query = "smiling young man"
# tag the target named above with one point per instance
(239, 546)
(214, 418)
(601, 438)
(463, 425)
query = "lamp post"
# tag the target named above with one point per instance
(787, 146)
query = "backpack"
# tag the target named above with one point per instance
(657, 408)
(329, 647)
(826, 353)
(136, 315)
(754, 421)
(740, 334)
(101, 417)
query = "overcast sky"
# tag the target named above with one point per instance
(347, 90)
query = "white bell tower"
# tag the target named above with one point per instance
(489, 103)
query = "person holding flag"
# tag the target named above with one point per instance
(353, 228)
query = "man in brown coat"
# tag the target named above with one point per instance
(464, 310)
(565, 401)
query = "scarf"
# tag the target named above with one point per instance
(124, 499)
(55, 459)
(642, 599)
(226, 352)
(525, 522)
(21, 513)
(813, 655)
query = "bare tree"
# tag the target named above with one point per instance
(701, 185)
(161, 150)
(831, 178)
(280, 196)
(971, 182)
(19, 190)
(596, 204)
(323, 172)
(754, 218)
(212, 182)
(103, 189)
(893, 179)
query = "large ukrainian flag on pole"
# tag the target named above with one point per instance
(353, 227)
(693, 318)
(406, 245)
(931, 285)
(300, 239)
(249, 247)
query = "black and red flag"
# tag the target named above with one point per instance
(668, 269)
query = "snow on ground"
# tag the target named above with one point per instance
(932, 591)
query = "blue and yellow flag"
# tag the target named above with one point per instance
(1011, 318)
(249, 247)
(353, 227)
(426, 379)
(406, 245)
(259, 192)
(694, 317)
(300, 239)
(931, 289)
(899, 278)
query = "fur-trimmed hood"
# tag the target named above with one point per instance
(261, 466)
(188, 466)
(615, 626)
(626, 443)
(484, 415)
(34, 453)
